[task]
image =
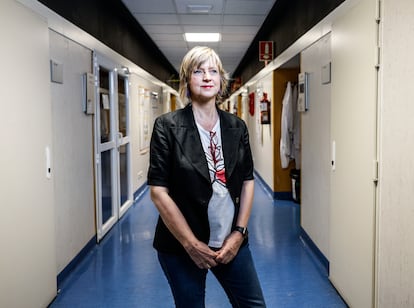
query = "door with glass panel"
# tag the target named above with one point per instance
(112, 145)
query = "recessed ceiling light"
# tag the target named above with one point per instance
(199, 8)
(202, 37)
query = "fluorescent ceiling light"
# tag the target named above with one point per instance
(202, 37)
(199, 8)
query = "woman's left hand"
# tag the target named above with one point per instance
(230, 248)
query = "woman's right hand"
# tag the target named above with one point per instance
(201, 254)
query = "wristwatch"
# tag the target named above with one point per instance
(242, 230)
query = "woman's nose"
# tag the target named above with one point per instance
(206, 75)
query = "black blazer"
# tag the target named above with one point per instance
(178, 162)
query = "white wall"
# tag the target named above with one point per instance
(72, 151)
(27, 234)
(396, 199)
(140, 159)
(261, 135)
(315, 147)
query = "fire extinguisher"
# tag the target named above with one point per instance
(264, 110)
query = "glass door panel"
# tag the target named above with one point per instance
(106, 186)
(123, 172)
(122, 106)
(104, 105)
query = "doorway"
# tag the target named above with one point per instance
(112, 145)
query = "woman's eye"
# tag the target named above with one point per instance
(201, 72)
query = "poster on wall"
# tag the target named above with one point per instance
(144, 119)
(155, 104)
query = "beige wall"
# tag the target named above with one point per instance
(261, 135)
(396, 198)
(140, 159)
(27, 230)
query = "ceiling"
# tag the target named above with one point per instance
(166, 21)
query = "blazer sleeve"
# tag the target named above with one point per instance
(159, 167)
(249, 167)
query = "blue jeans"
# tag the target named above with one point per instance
(188, 282)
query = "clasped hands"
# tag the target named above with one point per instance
(205, 258)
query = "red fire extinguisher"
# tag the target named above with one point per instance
(264, 109)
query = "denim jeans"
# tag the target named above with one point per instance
(188, 282)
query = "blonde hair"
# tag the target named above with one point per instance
(194, 59)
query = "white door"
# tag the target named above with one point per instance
(354, 133)
(112, 145)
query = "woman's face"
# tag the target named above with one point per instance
(205, 82)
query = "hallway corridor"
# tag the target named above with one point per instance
(123, 270)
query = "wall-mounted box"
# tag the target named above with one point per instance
(56, 71)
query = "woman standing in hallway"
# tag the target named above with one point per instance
(201, 178)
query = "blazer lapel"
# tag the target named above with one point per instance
(186, 134)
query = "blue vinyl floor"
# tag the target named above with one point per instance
(123, 270)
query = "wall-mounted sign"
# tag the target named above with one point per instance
(265, 51)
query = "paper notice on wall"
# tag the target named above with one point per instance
(105, 101)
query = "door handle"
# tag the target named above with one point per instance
(119, 140)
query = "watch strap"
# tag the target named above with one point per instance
(242, 230)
